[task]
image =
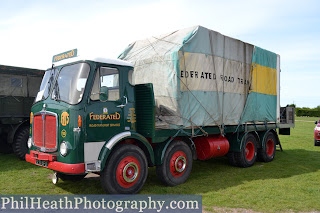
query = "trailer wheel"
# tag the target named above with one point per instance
(66, 177)
(268, 151)
(248, 154)
(177, 164)
(20, 147)
(125, 171)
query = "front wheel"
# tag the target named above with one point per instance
(177, 164)
(248, 154)
(125, 171)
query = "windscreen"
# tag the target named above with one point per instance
(46, 84)
(71, 82)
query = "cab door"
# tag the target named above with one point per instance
(105, 119)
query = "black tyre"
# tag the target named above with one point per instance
(248, 154)
(125, 171)
(268, 150)
(66, 177)
(177, 164)
(20, 143)
(316, 143)
(5, 148)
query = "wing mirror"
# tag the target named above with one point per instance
(103, 94)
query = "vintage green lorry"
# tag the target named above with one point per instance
(187, 95)
(18, 88)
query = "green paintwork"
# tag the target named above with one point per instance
(145, 108)
(160, 151)
(235, 141)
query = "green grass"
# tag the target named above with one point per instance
(289, 183)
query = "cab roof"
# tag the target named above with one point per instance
(95, 59)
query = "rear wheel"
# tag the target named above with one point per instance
(125, 171)
(19, 145)
(268, 149)
(177, 164)
(248, 154)
(316, 143)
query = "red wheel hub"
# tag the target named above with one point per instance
(249, 150)
(128, 171)
(270, 147)
(178, 163)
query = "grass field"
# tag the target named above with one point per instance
(289, 183)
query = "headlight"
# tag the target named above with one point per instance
(29, 143)
(317, 128)
(63, 149)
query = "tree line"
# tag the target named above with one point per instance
(306, 111)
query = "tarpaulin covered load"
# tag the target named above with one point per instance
(203, 78)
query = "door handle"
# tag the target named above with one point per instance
(123, 105)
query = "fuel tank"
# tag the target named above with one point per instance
(211, 146)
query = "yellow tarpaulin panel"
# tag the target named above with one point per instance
(264, 80)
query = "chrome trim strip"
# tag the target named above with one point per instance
(117, 138)
(43, 115)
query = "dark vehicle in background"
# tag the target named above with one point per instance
(18, 88)
(317, 133)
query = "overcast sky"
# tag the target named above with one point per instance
(32, 31)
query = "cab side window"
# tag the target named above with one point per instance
(108, 77)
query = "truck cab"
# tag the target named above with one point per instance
(83, 109)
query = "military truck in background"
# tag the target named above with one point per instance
(18, 88)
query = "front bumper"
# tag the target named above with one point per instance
(53, 164)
